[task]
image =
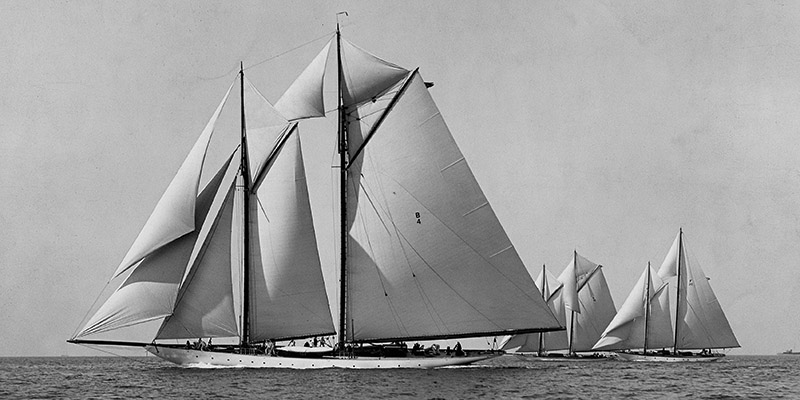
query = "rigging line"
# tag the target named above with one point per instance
(426, 299)
(445, 282)
(392, 307)
(85, 318)
(100, 349)
(329, 35)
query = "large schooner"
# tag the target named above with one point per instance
(422, 255)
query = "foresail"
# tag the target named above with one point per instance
(558, 340)
(669, 268)
(303, 99)
(573, 278)
(265, 126)
(659, 328)
(427, 256)
(703, 324)
(288, 290)
(626, 329)
(149, 292)
(174, 215)
(365, 75)
(205, 302)
(598, 311)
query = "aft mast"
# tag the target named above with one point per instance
(544, 297)
(343, 195)
(646, 307)
(678, 291)
(571, 311)
(243, 167)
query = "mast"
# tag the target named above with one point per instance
(678, 292)
(571, 311)
(646, 308)
(544, 297)
(243, 167)
(342, 197)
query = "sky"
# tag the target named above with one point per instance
(598, 126)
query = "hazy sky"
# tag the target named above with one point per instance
(593, 125)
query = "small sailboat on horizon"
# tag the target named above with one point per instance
(581, 301)
(643, 329)
(422, 254)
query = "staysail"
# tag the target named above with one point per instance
(424, 242)
(700, 321)
(303, 99)
(205, 303)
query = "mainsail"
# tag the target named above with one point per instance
(700, 322)
(424, 243)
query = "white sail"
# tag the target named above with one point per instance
(542, 342)
(591, 296)
(569, 278)
(205, 302)
(303, 99)
(547, 283)
(597, 312)
(627, 329)
(149, 292)
(174, 215)
(288, 290)
(427, 255)
(557, 340)
(700, 322)
(365, 75)
(669, 268)
(265, 126)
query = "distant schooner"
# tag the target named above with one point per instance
(643, 329)
(423, 256)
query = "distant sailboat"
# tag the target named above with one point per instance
(423, 256)
(644, 323)
(581, 301)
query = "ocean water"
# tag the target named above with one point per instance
(507, 377)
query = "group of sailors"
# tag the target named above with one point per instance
(434, 350)
(200, 344)
(268, 347)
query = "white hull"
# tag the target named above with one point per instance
(667, 358)
(200, 358)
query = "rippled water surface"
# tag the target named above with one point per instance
(745, 377)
